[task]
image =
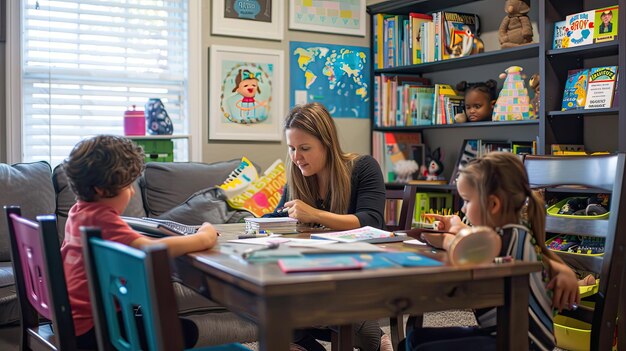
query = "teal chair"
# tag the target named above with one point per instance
(122, 278)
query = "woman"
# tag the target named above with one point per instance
(338, 190)
(326, 186)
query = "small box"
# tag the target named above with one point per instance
(157, 150)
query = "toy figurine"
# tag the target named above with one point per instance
(434, 167)
(533, 83)
(515, 28)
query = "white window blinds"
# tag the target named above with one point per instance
(86, 62)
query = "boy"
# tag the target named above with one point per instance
(101, 172)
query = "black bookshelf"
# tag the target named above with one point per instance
(457, 125)
(484, 58)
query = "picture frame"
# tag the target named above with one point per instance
(469, 151)
(248, 18)
(332, 16)
(246, 93)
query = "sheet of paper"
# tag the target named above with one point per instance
(414, 242)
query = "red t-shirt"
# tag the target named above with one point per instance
(113, 228)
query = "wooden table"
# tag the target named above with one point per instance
(280, 302)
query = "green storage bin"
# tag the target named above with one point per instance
(157, 150)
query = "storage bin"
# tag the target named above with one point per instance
(134, 122)
(157, 150)
(554, 211)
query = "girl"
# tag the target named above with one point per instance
(479, 99)
(496, 193)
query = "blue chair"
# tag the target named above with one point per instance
(122, 278)
(40, 283)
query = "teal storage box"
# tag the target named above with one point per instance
(157, 150)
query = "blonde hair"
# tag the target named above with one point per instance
(315, 120)
(503, 174)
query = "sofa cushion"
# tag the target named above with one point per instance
(29, 186)
(207, 205)
(66, 199)
(168, 184)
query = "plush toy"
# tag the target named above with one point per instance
(434, 167)
(533, 83)
(515, 28)
(404, 170)
(513, 103)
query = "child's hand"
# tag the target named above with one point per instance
(564, 285)
(451, 224)
(207, 235)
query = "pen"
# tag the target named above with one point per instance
(283, 210)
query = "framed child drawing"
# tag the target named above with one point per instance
(329, 16)
(246, 95)
(248, 18)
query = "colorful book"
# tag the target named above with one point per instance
(319, 263)
(575, 92)
(416, 35)
(365, 234)
(580, 28)
(458, 32)
(601, 87)
(606, 24)
(560, 39)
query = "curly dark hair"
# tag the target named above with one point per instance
(105, 162)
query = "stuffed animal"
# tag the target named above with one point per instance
(434, 167)
(515, 28)
(533, 83)
(404, 170)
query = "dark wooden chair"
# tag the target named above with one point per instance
(122, 278)
(407, 195)
(596, 174)
(40, 283)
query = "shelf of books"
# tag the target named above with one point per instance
(483, 58)
(418, 107)
(583, 60)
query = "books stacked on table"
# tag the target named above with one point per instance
(278, 225)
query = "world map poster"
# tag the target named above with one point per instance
(336, 76)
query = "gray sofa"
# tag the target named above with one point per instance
(183, 192)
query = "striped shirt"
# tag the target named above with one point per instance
(518, 242)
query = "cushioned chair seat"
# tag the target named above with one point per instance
(9, 308)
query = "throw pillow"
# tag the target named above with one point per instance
(207, 205)
(262, 195)
(29, 186)
(239, 179)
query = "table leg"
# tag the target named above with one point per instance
(275, 337)
(396, 327)
(513, 315)
(342, 339)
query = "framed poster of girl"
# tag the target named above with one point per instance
(246, 97)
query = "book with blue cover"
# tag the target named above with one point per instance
(575, 92)
(319, 263)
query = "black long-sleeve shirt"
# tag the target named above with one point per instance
(367, 194)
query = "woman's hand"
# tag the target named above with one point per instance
(451, 224)
(301, 211)
(564, 285)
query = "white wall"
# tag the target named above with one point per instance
(354, 133)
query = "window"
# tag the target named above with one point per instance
(84, 63)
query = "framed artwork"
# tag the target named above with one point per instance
(246, 94)
(469, 151)
(337, 76)
(248, 18)
(330, 16)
